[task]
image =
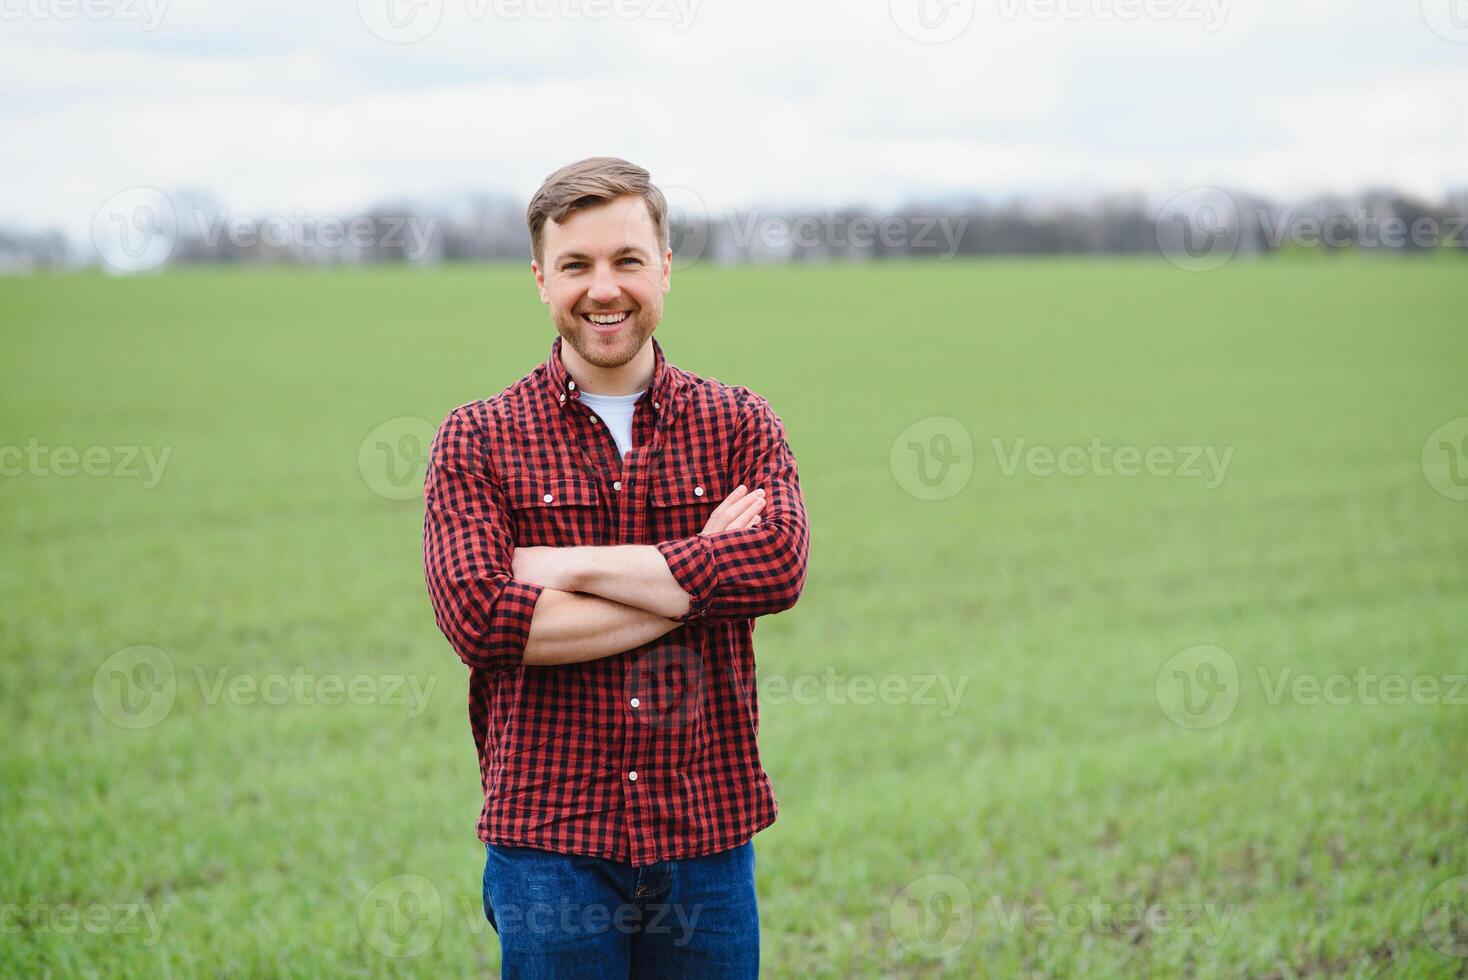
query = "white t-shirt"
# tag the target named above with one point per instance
(616, 412)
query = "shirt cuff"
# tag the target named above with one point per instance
(691, 560)
(513, 611)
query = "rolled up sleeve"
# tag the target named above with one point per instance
(761, 569)
(468, 545)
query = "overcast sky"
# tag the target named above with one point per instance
(274, 105)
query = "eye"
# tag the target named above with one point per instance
(573, 265)
(632, 259)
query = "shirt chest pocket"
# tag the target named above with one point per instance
(681, 499)
(555, 511)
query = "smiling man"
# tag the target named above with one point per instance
(598, 541)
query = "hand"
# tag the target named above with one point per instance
(550, 568)
(737, 511)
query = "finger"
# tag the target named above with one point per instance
(729, 501)
(748, 518)
(751, 502)
(734, 495)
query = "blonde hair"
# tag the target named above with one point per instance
(587, 183)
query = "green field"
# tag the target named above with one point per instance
(1028, 797)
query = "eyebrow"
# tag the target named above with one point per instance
(624, 250)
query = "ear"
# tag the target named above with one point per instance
(667, 269)
(540, 282)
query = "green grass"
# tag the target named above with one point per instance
(1314, 833)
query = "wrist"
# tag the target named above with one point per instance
(577, 569)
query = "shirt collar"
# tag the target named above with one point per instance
(662, 391)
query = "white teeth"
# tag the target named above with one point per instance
(606, 319)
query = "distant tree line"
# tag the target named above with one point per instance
(488, 228)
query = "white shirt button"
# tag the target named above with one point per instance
(616, 484)
(698, 491)
(635, 702)
(571, 385)
(547, 498)
(593, 420)
(632, 775)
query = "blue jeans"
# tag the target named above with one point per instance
(569, 916)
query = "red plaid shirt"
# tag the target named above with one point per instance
(559, 745)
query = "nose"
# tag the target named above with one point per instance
(603, 286)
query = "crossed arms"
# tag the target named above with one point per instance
(502, 606)
(632, 594)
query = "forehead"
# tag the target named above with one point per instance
(623, 222)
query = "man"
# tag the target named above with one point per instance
(598, 540)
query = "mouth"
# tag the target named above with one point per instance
(606, 323)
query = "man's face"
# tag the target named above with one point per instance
(604, 261)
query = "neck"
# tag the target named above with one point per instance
(633, 376)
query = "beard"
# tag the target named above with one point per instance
(615, 350)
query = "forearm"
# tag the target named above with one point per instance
(568, 628)
(632, 575)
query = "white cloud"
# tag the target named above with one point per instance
(275, 106)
